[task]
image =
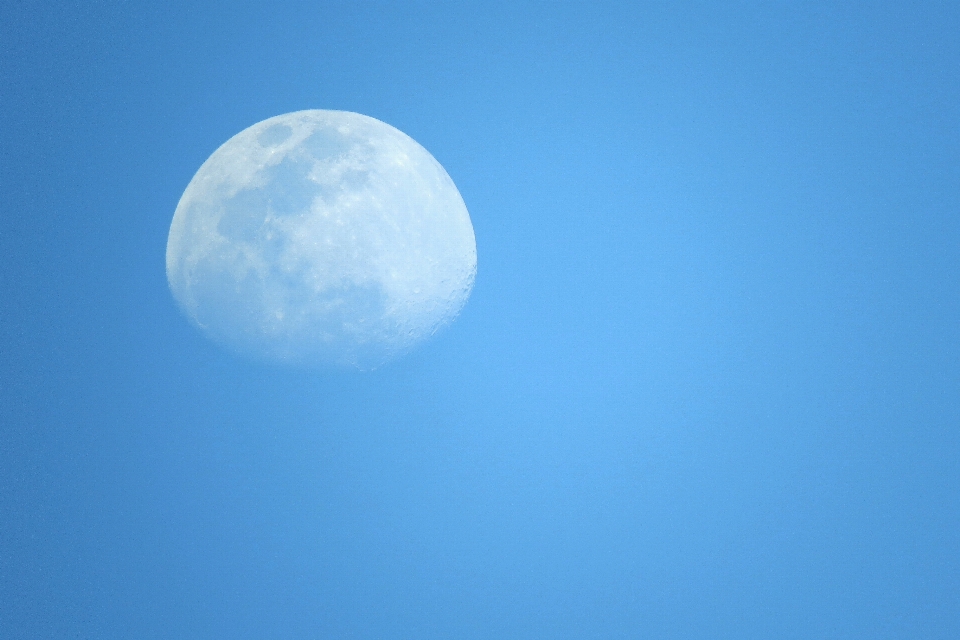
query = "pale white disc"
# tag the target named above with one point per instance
(321, 237)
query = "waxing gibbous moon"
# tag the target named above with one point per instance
(321, 238)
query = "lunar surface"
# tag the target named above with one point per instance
(321, 238)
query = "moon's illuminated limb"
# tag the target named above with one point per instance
(321, 237)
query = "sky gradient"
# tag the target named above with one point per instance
(707, 384)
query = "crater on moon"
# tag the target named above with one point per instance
(321, 238)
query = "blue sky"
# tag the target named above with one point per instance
(707, 385)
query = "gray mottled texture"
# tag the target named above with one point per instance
(321, 237)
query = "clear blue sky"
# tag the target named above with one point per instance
(707, 385)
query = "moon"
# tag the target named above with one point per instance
(321, 238)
